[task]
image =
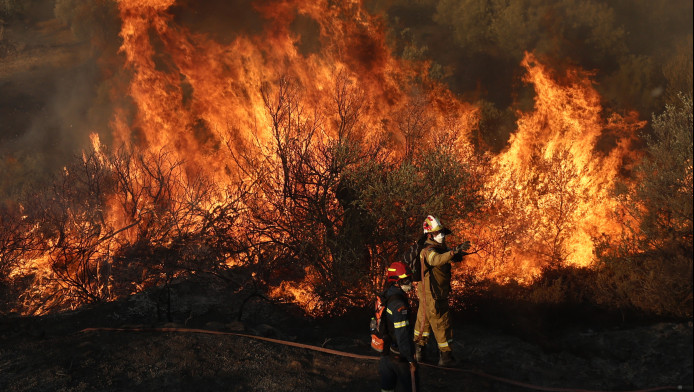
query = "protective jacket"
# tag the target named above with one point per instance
(433, 292)
(398, 324)
(437, 269)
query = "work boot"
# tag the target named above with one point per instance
(419, 353)
(447, 359)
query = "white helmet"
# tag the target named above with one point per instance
(433, 225)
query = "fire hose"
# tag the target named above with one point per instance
(371, 357)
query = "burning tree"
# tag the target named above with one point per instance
(73, 232)
(295, 222)
(649, 267)
(329, 208)
(17, 243)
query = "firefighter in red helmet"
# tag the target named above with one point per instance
(397, 367)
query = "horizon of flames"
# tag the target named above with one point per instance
(202, 100)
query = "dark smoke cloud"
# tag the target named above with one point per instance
(222, 20)
(225, 20)
(61, 56)
(639, 49)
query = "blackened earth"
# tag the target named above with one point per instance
(503, 353)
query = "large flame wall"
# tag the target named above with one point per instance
(547, 195)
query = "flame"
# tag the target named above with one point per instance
(199, 102)
(196, 96)
(550, 188)
(302, 294)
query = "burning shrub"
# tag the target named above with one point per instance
(650, 266)
(329, 210)
(297, 202)
(13, 233)
(15, 244)
(73, 230)
(174, 221)
(115, 223)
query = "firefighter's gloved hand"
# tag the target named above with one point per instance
(460, 249)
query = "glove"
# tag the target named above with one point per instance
(462, 247)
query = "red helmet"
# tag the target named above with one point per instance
(398, 270)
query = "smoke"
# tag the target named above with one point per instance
(221, 20)
(632, 46)
(61, 56)
(61, 83)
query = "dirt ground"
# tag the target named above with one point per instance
(51, 353)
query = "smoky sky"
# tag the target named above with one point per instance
(640, 52)
(222, 20)
(627, 43)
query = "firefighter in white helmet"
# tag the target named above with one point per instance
(434, 290)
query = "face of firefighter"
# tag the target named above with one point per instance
(406, 285)
(439, 237)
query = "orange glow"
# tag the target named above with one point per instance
(199, 104)
(550, 189)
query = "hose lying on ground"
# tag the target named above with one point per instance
(371, 357)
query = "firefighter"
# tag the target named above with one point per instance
(433, 291)
(397, 366)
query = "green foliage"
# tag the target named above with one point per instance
(641, 51)
(650, 266)
(665, 189)
(632, 83)
(544, 26)
(678, 71)
(397, 196)
(629, 279)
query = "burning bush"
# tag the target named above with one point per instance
(115, 223)
(327, 212)
(649, 267)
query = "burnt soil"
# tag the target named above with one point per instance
(500, 349)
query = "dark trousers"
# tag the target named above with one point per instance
(395, 374)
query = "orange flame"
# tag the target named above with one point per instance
(203, 101)
(550, 189)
